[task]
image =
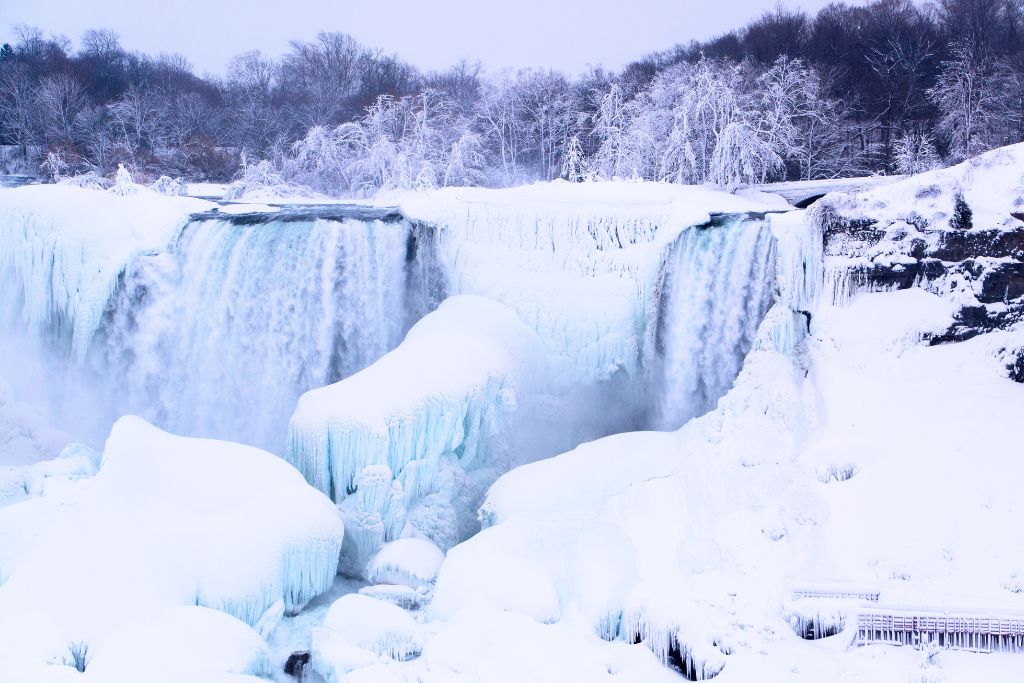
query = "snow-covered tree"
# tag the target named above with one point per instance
(743, 155)
(969, 94)
(614, 158)
(915, 154)
(55, 165)
(573, 161)
(466, 161)
(124, 184)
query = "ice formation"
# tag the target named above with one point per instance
(383, 440)
(577, 262)
(75, 462)
(62, 250)
(164, 523)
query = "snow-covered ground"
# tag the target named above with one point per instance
(848, 454)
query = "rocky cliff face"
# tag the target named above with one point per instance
(983, 269)
(958, 233)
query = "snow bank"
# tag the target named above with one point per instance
(167, 522)
(63, 248)
(992, 184)
(409, 426)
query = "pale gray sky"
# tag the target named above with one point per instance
(431, 34)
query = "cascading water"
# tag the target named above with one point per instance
(714, 288)
(219, 336)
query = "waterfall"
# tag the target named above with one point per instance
(714, 287)
(221, 334)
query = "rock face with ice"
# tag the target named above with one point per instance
(166, 522)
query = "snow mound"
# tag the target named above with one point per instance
(201, 641)
(63, 248)
(357, 630)
(411, 562)
(407, 427)
(167, 521)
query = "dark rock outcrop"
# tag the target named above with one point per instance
(296, 664)
(986, 266)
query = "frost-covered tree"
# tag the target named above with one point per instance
(743, 155)
(61, 103)
(573, 161)
(466, 161)
(969, 95)
(55, 165)
(615, 157)
(500, 112)
(915, 154)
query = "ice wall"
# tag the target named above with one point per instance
(714, 288)
(221, 334)
(577, 262)
(392, 443)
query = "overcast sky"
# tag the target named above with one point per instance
(432, 34)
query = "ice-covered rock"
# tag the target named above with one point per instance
(411, 562)
(167, 521)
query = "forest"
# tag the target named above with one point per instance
(890, 87)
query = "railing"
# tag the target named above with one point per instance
(976, 632)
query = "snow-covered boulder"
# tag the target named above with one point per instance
(191, 642)
(410, 425)
(166, 522)
(359, 630)
(411, 562)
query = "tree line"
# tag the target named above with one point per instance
(890, 87)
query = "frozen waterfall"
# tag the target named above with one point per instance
(220, 335)
(714, 288)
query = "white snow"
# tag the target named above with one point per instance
(167, 521)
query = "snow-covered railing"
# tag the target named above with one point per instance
(841, 592)
(959, 631)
